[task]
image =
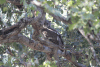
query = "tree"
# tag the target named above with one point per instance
(22, 43)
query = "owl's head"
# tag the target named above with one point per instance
(47, 24)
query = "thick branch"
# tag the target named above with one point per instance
(26, 41)
(14, 29)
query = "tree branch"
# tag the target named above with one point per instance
(91, 46)
(26, 41)
(14, 29)
(59, 18)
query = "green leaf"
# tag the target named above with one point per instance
(74, 10)
(1, 63)
(63, 1)
(41, 0)
(30, 14)
(96, 13)
(70, 3)
(49, 2)
(41, 66)
(72, 26)
(37, 12)
(96, 22)
(73, 58)
(88, 16)
(5, 9)
(80, 60)
(95, 31)
(2, 1)
(75, 19)
(86, 30)
(32, 8)
(78, 2)
(21, 1)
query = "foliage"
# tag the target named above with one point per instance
(81, 12)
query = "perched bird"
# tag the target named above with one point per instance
(51, 34)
